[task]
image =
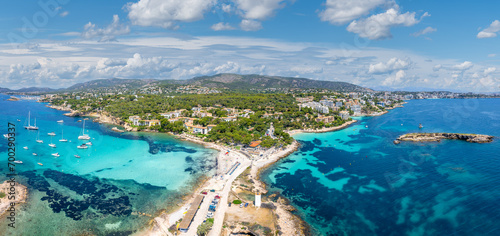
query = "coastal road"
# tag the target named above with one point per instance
(222, 208)
(200, 214)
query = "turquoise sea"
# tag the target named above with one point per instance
(98, 193)
(357, 182)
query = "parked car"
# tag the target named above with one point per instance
(212, 190)
(241, 205)
(229, 204)
(246, 204)
(217, 197)
(204, 193)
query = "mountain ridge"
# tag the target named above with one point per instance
(219, 81)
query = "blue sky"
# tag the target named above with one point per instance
(373, 43)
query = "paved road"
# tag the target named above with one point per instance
(222, 208)
(200, 215)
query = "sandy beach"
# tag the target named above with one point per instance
(323, 130)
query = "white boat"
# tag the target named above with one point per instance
(89, 144)
(77, 156)
(83, 146)
(39, 163)
(26, 147)
(34, 154)
(52, 134)
(38, 140)
(62, 137)
(18, 120)
(18, 162)
(366, 126)
(6, 136)
(56, 154)
(51, 144)
(29, 126)
(60, 121)
(84, 136)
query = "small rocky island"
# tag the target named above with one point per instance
(436, 137)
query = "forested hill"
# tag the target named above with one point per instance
(234, 82)
(246, 82)
(111, 83)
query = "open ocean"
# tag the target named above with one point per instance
(357, 182)
(119, 174)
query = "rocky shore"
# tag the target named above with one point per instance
(21, 194)
(437, 137)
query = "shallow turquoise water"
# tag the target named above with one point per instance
(117, 175)
(357, 182)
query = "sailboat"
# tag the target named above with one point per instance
(39, 163)
(6, 136)
(62, 137)
(60, 121)
(34, 154)
(56, 154)
(420, 126)
(30, 127)
(83, 146)
(25, 147)
(77, 156)
(84, 136)
(52, 134)
(18, 162)
(38, 140)
(51, 144)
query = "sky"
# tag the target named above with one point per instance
(380, 44)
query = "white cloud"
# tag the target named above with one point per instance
(395, 80)
(492, 55)
(258, 9)
(427, 30)
(64, 14)
(222, 26)
(340, 12)
(391, 65)
(489, 70)
(378, 26)
(65, 63)
(108, 33)
(491, 31)
(463, 66)
(166, 13)
(250, 25)
(227, 8)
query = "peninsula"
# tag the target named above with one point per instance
(436, 137)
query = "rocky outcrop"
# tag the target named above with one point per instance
(436, 137)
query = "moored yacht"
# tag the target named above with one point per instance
(56, 154)
(52, 134)
(60, 121)
(83, 146)
(84, 136)
(77, 156)
(26, 147)
(18, 162)
(62, 137)
(29, 126)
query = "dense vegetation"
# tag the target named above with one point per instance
(281, 110)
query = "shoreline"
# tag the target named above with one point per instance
(20, 197)
(285, 211)
(323, 130)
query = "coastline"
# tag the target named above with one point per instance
(288, 222)
(20, 197)
(323, 130)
